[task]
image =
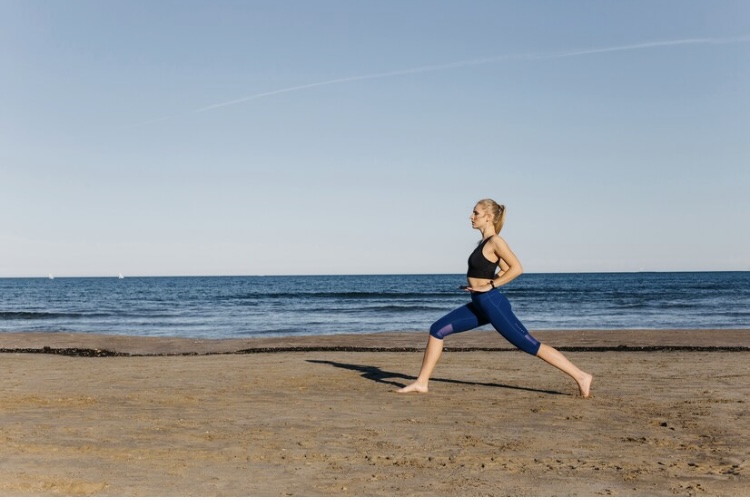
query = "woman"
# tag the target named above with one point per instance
(488, 305)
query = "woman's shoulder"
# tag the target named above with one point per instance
(496, 240)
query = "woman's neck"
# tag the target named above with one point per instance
(488, 232)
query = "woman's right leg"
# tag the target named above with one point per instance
(462, 319)
(431, 356)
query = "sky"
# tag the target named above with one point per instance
(217, 137)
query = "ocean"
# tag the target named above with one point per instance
(273, 306)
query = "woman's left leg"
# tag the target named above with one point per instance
(556, 359)
(497, 308)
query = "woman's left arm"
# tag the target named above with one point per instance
(505, 254)
(503, 267)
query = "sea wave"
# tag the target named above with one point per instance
(31, 315)
(220, 307)
(342, 295)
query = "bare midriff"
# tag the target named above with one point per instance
(477, 282)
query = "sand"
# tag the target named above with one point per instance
(316, 416)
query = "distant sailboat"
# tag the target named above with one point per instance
(51, 277)
(121, 276)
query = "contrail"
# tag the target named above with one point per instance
(463, 64)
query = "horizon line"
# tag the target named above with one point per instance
(311, 275)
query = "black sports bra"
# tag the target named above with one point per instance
(479, 266)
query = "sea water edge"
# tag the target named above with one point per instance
(218, 307)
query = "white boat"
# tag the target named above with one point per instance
(51, 277)
(121, 276)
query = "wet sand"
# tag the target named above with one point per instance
(316, 416)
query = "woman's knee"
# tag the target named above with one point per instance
(530, 345)
(440, 330)
(521, 338)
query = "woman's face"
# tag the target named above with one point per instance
(479, 217)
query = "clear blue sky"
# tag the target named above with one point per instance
(221, 137)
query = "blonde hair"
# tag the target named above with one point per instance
(496, 211)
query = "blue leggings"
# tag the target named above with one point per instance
(490, 307)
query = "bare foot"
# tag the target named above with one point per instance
(414, 387)
(584, 385)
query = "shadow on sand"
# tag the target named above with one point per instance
(383, 377)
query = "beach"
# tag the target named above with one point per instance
(106, 415)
